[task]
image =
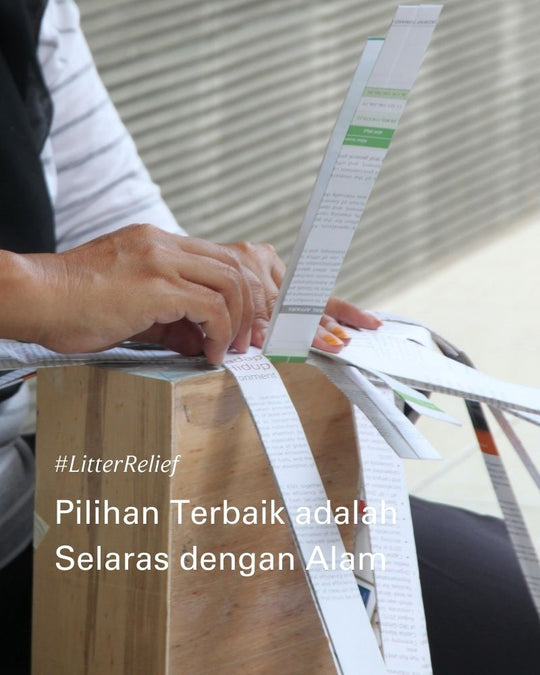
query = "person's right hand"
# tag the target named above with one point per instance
(138, 282)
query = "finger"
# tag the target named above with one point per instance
(215, 253)
(327, 341)
(181, 336)
(272, 276)
(263, 261)
(217, 329)
(204, 306)
(346, 312)
(261, 315)
(277, 271)
(332, 326)
(226, 280)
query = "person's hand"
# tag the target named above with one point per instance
(332, 333)
(141, 283)
(265, 270)
(268, 271)
(136, 283)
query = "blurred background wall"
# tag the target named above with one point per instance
(231, 104)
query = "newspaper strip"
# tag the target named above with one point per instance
(40, 529)
(416, 400)
(516, 443)
(398, 593)
(370, 115)
(500, 395)
(402, 436)
(418, 366)
(513, 518)
(15, 376)
(408, 328)
(530, 417)
(393, 595)
(365, 576)
(301, 326)
(334, 590)
(18, 355)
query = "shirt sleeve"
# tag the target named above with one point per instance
(96, 178)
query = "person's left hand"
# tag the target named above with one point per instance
(268, 272)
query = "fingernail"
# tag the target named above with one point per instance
(332, 340)
(340, 332)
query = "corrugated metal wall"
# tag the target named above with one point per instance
(231, 104)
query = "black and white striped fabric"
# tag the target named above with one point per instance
(95, 177)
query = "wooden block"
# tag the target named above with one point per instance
(101, 622)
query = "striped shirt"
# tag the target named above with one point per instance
(97, 184)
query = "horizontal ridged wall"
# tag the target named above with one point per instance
(231, 104)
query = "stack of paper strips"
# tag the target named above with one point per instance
(374, 370)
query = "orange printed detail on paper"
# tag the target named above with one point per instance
(485, 440)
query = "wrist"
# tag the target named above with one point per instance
(25, 305)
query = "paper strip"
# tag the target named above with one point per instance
(40, 529)
(421, 367)
(334, 591)
(517, 445)
(513, 518)
(402, 436)
(399, 597)
(17, 355)
(417, 400)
